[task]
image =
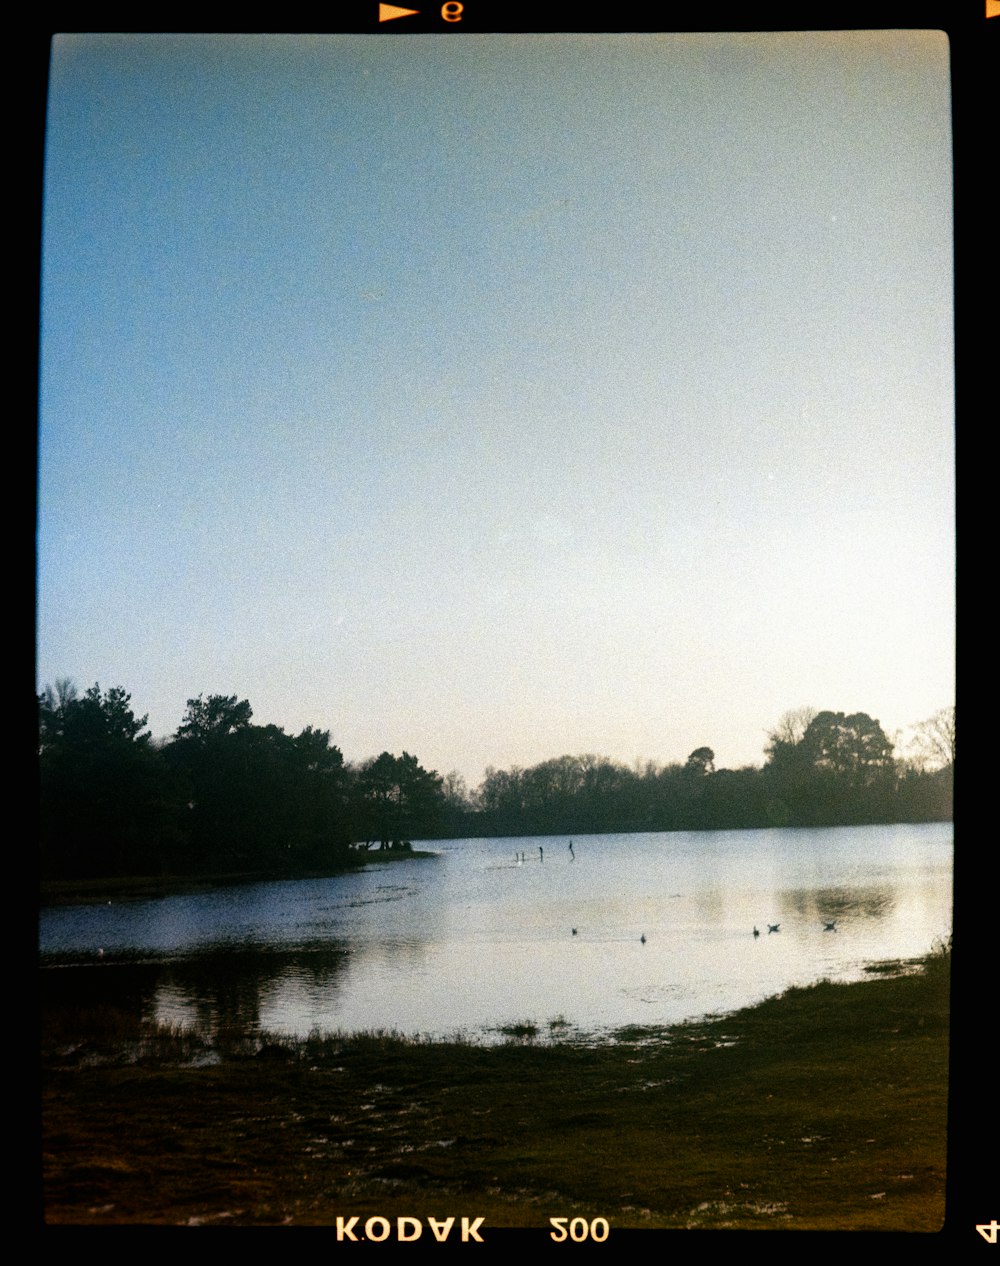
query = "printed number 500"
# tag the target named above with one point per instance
(579, 1230)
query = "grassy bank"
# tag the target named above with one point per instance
(824, 1108)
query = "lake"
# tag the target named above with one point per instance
(473, 939)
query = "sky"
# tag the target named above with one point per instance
(501, 397)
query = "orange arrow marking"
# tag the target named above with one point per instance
(389, 12)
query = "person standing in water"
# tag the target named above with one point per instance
(541, 853)
(571, 853)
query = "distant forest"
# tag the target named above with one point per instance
(223, 795)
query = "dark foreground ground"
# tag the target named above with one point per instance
(822, 1109)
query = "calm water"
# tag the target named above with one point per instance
(472, 939)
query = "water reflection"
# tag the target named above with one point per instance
(476, 938)
(206, 991)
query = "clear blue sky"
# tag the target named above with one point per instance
(500, 397)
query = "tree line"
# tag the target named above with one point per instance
(821, 769)
(225, 795)
(221, 794)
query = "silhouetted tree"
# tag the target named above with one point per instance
(397, 799)
(259, 798)
(108, 804)
(852, 747)
(841, 769)
(458, 805)
(456, 793)
(934, 740)
(791, 726)
(501, 798)
(214, 718)
(700, 762)
(53, 705)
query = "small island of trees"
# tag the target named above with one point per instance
(223, 795)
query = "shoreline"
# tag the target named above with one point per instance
(101, 891)
(822, 1108)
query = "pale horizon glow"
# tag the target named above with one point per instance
(501, 397)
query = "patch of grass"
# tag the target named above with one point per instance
(105, 1034)
(520, 1031)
